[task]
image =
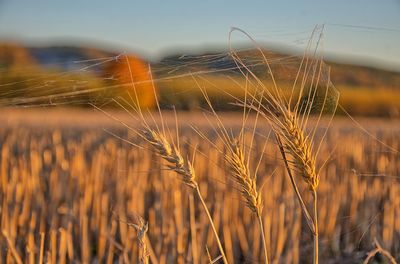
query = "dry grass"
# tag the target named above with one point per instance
(70, 192)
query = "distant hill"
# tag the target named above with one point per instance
(283, 64)
(363, 90)
(364, 76)
(69, 75)
(77, 75)
(67, 58)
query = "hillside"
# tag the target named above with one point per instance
(78, 75)
(283, 65)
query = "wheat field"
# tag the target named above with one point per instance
(73, 188)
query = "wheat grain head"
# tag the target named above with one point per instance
(299, 148)
(241, 174)
(172, 155)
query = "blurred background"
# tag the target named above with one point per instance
(72, 53)
(73, 179)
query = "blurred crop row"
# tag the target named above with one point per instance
(71, 194)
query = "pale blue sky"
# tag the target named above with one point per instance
(154, 27)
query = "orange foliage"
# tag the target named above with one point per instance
(132, 73)
(14, 56)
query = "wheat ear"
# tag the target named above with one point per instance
(248, 185)
(241, 174)
(184, 168)
(172, 155)
(299, 147)
(235, 158)
(295, 147)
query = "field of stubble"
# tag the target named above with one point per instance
(69, 192)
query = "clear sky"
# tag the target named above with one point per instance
(366, 29)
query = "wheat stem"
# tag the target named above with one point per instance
(184, 168)
(235, 157)
(380, 250)
(221, 249)
(311, 222)
(13, 250)
(263, 238)
(193, 232)
(142, 228)
(305, 211)
(316, 245)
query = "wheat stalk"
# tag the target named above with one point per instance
(303, 162)
(169, 152)
(142, 229)
(379, 249)
(295, 147)
(248, 184)
(178, 164)
(297, 153)
(235, 158)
